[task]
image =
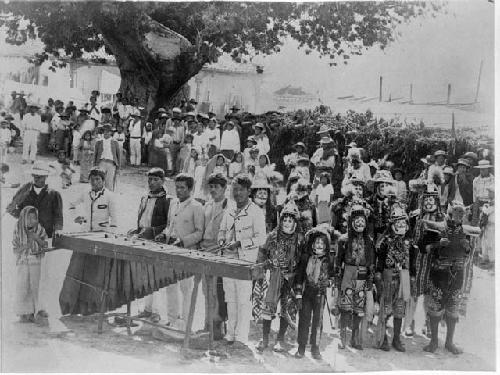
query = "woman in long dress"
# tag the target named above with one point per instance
(86, 156)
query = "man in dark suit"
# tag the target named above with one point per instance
(152, 220)
(107, 157)
(461, 183)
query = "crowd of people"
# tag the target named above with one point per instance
(357, 237)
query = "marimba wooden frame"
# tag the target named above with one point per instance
(197, 266)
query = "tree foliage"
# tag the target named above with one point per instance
(336, 30)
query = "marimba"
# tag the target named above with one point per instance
(178, 262)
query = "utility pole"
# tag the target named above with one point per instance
(479, 81)
(380, 90)
(411, 93)
(449, 93)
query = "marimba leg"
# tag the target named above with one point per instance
(129, 320)
(189, 324)
(210, 290)
(101, 313)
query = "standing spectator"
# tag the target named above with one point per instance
(230, 141)
(242, 231)
(94, 110)
(119, 136)
(31, 125)
(444, 196)
(184, 154)
(107, 157)
(146, 142)
(185, 229)
(261, 138)
(58, 126)
(400, 185)
(237, 166)
(200, 138)
(86, 122)
(480, 186)
(435, 173)
(86, 151)
(135, 130)
(251, 143)
(461, 184)
(179, 139)
(5, 138)
(213, 137)
(323, 196)
(75, 144)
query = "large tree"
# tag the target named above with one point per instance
(159, 46)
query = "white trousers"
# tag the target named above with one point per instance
(135, 151)
(239, 308)
(178, 301)
(30, 146)
(110, 168)
(27, 287)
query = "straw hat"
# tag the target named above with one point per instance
(325, 140)
(463, 162)
(483, 164)
(439, 153)
(39, 168)
(448, 170)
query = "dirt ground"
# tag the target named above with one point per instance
(72, 344)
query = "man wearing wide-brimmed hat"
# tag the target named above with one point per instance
(292, 159)
(480, 188)
(31, 126)
(107, 157)
(461, 184)
(435, 172)
(261, 138)
(49, 204)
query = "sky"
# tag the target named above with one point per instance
(430, 53)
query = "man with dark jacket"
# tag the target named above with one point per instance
(48, 202)
(460, 188)
(151, 221)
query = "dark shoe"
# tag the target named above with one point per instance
(300, 354)
(385, 345)
(431, 347)
(343, 338)
(398, 345)
(263, 345)
(315, 353)
(279, 347)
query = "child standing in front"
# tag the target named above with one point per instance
(323, 197)
(28, 244)
(75, 145)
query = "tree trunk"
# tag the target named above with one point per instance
(154, 62)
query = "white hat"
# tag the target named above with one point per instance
(40, 168)
(483, 164)
(176, 110)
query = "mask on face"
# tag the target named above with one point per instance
(457, 215)
(400, 227)
(359, 224)
(429, 204)
(288, 224)
(260, 198)
(358, 191)
(319, 246)
(381, 189)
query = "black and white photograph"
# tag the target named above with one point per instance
(247, 187)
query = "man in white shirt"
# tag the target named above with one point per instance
(87, 123)
(242, 231)
(95, 111)
(107, 157)
(230, 140)
(435, 174)
(135, 130)
(213, 135)
(200, 138)
(184, 229)
(261, 138)
(31, 125)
